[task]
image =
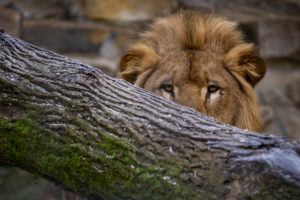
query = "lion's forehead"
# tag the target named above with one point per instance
(196, 67)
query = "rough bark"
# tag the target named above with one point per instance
(106, 139)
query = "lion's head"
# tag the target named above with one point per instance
(199, 61)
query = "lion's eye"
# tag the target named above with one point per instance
(212, 88)
(167, 87)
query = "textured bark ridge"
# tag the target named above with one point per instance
(106, 139)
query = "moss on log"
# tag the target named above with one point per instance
(106, 139)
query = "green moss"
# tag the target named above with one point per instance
(13, 138)
(111, 173)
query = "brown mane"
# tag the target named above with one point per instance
(192, 30)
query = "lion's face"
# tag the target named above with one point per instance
(199, 81)
(212, 81)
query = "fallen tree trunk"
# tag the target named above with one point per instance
(106, 139)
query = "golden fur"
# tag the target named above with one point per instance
(199, 61)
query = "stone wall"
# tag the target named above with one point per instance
(97, 32)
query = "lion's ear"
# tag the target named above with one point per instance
(136, 61)
(254, 68)
(242, 60)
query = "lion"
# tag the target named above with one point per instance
(200, 61)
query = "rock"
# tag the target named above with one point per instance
(127, 10)
(207, 4)
(271, 90)
(293, 90)
(249, 30)
(278, 94)
(257, 7)
(74, 8)
(108, 66)
(279, 38)
(240, 17)
(37, 9)
(284, 123)
(10, 20)
(109, 49)
(267, 114)
(266, 7)
(290, 118)
(53, 192)
(63, 36)
(4, 3)
(20, 184)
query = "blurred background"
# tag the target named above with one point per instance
(98, 32)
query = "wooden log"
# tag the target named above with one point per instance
(104, 138)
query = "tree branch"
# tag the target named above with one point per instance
(106, 139)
